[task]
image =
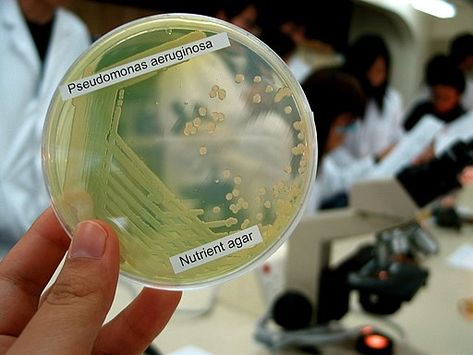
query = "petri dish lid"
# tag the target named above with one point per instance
(191, 138)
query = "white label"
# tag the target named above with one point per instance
(216, 249)
(145, 65)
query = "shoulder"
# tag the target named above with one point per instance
(416, 114)
(10, 13)
(340, 156)
(421, 109)
(72, 22)
(393, 95)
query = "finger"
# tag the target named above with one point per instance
(26, 270)
(131, 331)
(72, 314)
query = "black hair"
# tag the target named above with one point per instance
(330, 93)
(361, 56)
(461, 48)
(278, 41)
(441, 70)
(232, 8)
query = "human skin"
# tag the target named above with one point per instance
(68, 318)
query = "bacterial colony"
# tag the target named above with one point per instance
(183, 156)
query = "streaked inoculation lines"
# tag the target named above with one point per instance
(160, 220)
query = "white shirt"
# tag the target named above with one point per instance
(378, 130)
(338, 171)
(26, 89)
(305, 61)
(353, 161)
(459, 130)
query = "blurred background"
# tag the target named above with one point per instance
(413, 36)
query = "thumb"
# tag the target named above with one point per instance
(69, 319)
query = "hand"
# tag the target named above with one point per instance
(466, 176)
(68, 318)
(427, 155)
(385, 152)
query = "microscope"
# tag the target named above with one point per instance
(385, 274)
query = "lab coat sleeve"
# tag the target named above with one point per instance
(379, 129)
(339, 172)
(459, 130)
(396, 130)
(313, 202)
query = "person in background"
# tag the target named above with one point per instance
(282, 44)
(243, 14)
(461, 52)
(68, 318)
(338, 101)
(447, 83)
(39, 40)
(379, 128)
(314, 49)
(368, 59)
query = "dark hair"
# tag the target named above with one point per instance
(461, 47)
(330, 93)
(278, 41)
(232, 8)
(441, 70)
(361, 56)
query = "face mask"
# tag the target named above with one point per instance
(348, 128)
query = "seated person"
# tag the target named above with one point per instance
(369, 60)
(446, 83)
(337, 100)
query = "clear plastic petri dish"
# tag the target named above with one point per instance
(191, 138)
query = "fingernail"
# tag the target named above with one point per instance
(88, 241)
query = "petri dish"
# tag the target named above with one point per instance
(191, 138)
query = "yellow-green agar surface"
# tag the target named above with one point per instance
(185, 155)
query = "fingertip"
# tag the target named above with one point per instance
(107, 227)
(89, 241)
(112, 239)
(94, 239)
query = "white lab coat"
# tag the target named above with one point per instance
(337, 172)
(25, 92)
(459, 130)
(378, 130)
(354, 160)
